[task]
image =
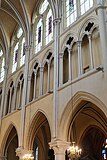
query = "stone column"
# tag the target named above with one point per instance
(34, 93)
(20, 94)
(41, 81)
(80, 68)
(14, 101)
(48, 84)
(55, 92)
(61, 55)
(69, 61)
(10, 98)
(91, 52)
(5, 104)
(28, 91)
(24, 94)
(102, 29)
(59, 148)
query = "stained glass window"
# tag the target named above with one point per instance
(39, 35)
(15, 57)
(71, 11)
(71, 5)
(49, 27)
(104, 150)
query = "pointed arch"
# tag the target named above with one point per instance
(81, 31)
(5, 137)
(35, 122)
(78, 100)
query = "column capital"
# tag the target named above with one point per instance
(59, 146)
(90, 35)
(20, 82)
(69, 50)
(41, 68)
(79, 42)
(6, 67)
(35, 72)
(29, 77)
(22, 153)
(27, 48)
(56, 21)
(61, 54)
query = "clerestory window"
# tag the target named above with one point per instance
(49, 27)
(85, 5)
(71, 11)
(15, 57)
(39, 35)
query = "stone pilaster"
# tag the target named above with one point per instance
(41, 81)
(101, 12)
(61, 55)
(91, 52)
(55, 92)
(80, 67)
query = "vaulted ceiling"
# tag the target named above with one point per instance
(14, 13)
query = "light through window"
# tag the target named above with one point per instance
(22, 56)
(44, 6)
(49, 27)
(15, 58)
(19, 33)
(39, 36)
(71, 11)
(85, 5)
(2, 70)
